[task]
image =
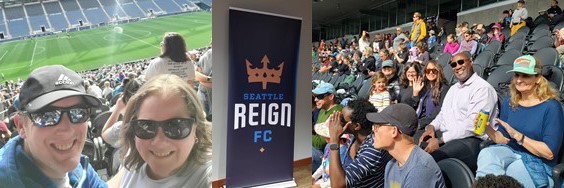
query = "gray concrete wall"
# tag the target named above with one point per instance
(494, 12)
(295, 8)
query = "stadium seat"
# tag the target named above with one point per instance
(358, 82)
(364, 91)
(484, 59)
(494, 46)
(444, 59)
(537, 35)
(558, 170)
(559, 26)
(543, 42)
(525, 29)
(540, 21)
(517, 36)
(543, 26)
(555, 75)
(518, 44)
(508, 57)
(456, 173)
(547, 56)
(506, 31)
(500, 79)
(99, 123)
(449, 75)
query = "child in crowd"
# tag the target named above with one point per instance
(379, 95)
(452, 45)
(321, 175)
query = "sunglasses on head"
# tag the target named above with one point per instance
(429, 71)
(321, 96)
(177, 129)
(460, 62)
(52, 116)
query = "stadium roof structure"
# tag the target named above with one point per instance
(328, 12)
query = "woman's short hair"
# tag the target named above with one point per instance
(174, 47)
(166, 85)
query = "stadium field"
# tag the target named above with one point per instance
(89, 49)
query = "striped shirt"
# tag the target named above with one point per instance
(380, 100)
(367, 169)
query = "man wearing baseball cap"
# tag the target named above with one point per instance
(325, 101)
(52, 125)
(389, 70)
(394, 128)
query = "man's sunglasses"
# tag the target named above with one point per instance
(459, 62)
(52, 116)
(321, 96)
(177, 129)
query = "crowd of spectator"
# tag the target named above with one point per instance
(428, 107)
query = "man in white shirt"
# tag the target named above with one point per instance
(451, 133)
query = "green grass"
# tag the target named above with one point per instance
(90, 49)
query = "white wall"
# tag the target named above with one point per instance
(493, 12)
(296, 8)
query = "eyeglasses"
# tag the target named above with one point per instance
(433, 71)
(321, 96)
(52, 116)
(459, 62)
(177, 129)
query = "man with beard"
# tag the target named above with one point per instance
(451, 133)
(368, 163)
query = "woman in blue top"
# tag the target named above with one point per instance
(531, 130)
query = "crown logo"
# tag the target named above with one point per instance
(264, 75)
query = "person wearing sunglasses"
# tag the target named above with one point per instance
(52, 125)
(468, 44)
(325, 101)
(430, 91)
(529, 130)
(451, 133)
(418, 30)
(165, 137)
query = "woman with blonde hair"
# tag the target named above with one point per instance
(165, 140)
(529, 129)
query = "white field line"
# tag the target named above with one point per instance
(142, 41)
(3, 55)
(33, 54)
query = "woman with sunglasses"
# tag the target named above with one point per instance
(529, 129)
(166, 140)
(432, 90)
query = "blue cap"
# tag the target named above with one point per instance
(388, 63)
(324, 88)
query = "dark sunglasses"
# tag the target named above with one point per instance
(429, 71)
(52, 116)
(459, 62)
(177, 129)
(321, 96)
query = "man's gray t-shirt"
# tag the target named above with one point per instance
(420, 170)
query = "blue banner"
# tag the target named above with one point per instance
(263, 61)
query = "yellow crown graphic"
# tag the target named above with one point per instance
(264, 75)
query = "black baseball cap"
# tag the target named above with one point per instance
(521, 1)
(49, 84)
(400, 115)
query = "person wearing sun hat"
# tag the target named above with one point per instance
(52, 125)
(496, 33)
(411, 166)
(321, 175)
(529, 130)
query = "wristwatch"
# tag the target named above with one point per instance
(334, 146)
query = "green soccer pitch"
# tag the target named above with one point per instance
(90, 49)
